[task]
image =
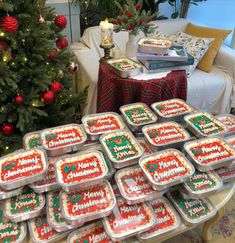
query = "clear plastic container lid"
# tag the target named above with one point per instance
(231, 140)
(62, 136)
(100, 123)
(133, 185)
(11, 193)
(127, 220)
(32, 140)
(21, 167)
(171, 108)
(11, 232)
(80, 169)
(54, 216)
(138, 114)
(154, 45)
(202, 183)
(204, 124)
(87, 204)
(166, 219)
(228, 120)
(42, 232)
(24, 206)
(210, 152)
(166, 168)
(166, 133)
(115, 188)
(94, 232)
(121, 146)
(147, 149)
(193, 211)
(226, 173)
(49, 179)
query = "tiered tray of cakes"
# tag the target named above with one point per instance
(109, 178)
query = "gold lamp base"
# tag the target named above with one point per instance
(106, 56)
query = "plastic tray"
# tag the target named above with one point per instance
(32, 140)
(134, 187)
(94, 232)
(166, 168)
(87, 204)
(203, 124)
(122, 148)
(226, 173)
(146, 147)
(228, 120)
(11, 193)
(54, 216)
(165, 135)
(24, 206)
(49, 182)
(15, 232)
(210, 153)
(41, 232)
(201, 184)
(81, 170)
(98, 147)
(192, 211)
(127, 220)
(137, 115)
(125, 67)
(22, 167)
(154, 46)
(166, 219)
(97, 124)
(63, 139)
(173, 109)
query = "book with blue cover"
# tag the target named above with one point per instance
(174, 53)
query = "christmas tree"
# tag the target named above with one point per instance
(36, 87)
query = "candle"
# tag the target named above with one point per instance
(106, 33)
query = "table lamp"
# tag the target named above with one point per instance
(106, 39)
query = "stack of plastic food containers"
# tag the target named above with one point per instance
(109, 178)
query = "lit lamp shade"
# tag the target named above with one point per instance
(106, 34)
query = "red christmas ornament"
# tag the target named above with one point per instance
(19, 99)
(7, 128)
(61, 21)
(48, 97)
(9, 24)
(3, 45)
(56, 87)
(52, 54)
(62, 43)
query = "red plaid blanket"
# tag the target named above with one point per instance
(114, 91)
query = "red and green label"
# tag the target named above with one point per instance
(121, 147)
(34, 141)
(10, 232)
(124, 65)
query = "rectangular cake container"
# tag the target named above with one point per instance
(231, 130)
(132, 126)
(143, 198)
(111, 169)
(162, 232)
(54, 152)
(229, 177)
(24, 181)
(126, 73)
(95, 137)
(162, 186)
(25, 145)
(190, 222)
(215, 165)
(198, 133)
(75, 221)
(58, 227)
(173, 117)
(83, 184)
(176, 144)
(124, 163)
(161, 50)
(11, 193)
(55, 238)
(24, 216)
(22, 238)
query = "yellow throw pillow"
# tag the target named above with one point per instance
(219, 35)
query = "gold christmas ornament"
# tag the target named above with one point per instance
(61, 74)
(41, 20)
(72, 67)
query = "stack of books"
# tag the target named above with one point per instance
(176, 58)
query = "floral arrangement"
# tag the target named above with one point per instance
(133, 19)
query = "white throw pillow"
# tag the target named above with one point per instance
(195, 46)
